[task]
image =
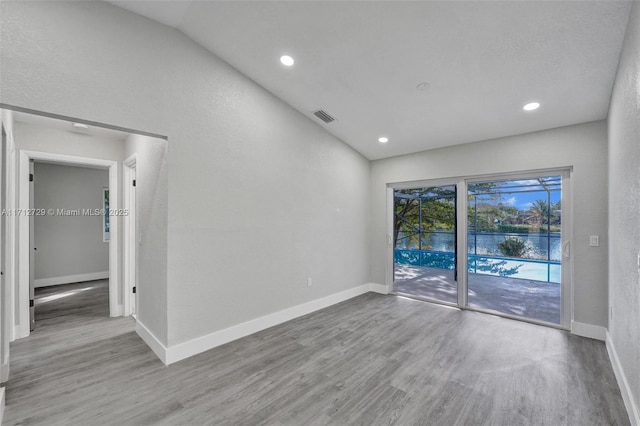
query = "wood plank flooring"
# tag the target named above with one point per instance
(372, 360)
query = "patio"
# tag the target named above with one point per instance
(536, 300)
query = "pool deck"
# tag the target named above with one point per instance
(536, 300)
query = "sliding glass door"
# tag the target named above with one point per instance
(424, 239)
(514, 239)
(499, 245)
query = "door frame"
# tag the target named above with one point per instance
(566, 289)
(5, 298)
(22, 284)
(129, 243)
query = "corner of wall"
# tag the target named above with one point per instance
(152, 341)
(588, 330)
(379, 288)
(632, 409)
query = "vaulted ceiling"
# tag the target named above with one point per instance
(362, 62)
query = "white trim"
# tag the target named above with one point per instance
(11, 263)
(378, 288)
(117, 311)
(22, 325)
(632, 409)
(479, 178)
(152, 341)
(218, 338)
(462, 235)
(389, 277)
(129, 241)
(567, 262)
(1, 404)
(45, 282)
(588, 330)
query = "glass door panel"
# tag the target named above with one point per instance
(515, 247)
(424, 238)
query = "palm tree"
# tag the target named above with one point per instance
(539, 212)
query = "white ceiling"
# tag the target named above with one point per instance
(361, 62)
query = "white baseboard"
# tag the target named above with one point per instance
(378, 288)
(1, 404)
(118, 311)
(152, 341)
(45, 282)
(623, 384)
(218, 338)
(588, 330)
(21, 331)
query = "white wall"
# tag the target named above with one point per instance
(42, 138)
(583, 146)
(69, 246)
(624, 212)
(259, 196)
(151, 227)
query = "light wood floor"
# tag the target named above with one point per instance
(371, 360)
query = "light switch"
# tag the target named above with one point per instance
(594, 241)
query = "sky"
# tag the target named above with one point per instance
(524, 200)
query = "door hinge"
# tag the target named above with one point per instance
(134, 289)
(134, 182)
(30, 177)
(31, 303)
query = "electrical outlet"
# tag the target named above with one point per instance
(309, 282)
(594, 241)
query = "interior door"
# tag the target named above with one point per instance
(425, 243)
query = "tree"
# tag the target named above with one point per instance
(512, 247)
(438, 213)
(539, 212)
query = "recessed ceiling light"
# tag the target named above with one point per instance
(383, 139)
(287, 60)
(531, 106)
(79, 126)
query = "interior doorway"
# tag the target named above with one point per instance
(69, 232)
(26, 232)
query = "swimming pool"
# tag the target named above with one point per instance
(528, 269)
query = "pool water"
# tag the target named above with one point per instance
(528, 269)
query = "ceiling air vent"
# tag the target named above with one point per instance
(324, 116)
